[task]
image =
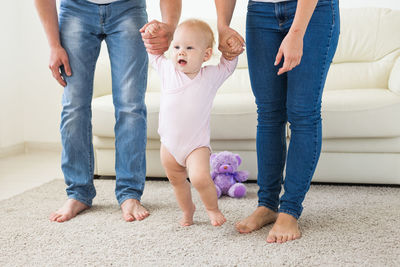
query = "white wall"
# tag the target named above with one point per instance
(12, 76)
(30, 98)
(42, 105)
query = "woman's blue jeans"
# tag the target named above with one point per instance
(83, 26)
(293, 97)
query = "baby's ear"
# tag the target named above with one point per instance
(208, 54)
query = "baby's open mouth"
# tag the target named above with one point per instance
(182, 62)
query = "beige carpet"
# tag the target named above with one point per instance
(342, 226)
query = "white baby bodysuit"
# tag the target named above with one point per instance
(185, 107)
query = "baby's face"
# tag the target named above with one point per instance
(189, 49)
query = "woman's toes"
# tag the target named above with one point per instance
(271, 238)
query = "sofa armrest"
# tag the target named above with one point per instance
(394, 79)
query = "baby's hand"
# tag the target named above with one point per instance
(153, 28)
(235, 46)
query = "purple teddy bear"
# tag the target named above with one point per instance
(223, 172)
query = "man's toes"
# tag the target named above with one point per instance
(284, 238)
(129, 217)
(141, 215)
(62, 218)
(53, 216)
(145, 214)
(279, 239)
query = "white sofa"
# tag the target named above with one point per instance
(360, 107)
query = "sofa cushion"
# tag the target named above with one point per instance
(366, 34)
(353, 113)
(349, 113)
(236, 112)
(394, 80)
(355, 75)
(103, 119)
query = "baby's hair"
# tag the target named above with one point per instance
(203, 27)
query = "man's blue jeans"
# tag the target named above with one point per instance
(83, 26)
(293, 97)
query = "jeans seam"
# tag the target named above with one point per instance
(320, 89)
(89, 132)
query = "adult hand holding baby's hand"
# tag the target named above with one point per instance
(231, 43)
(157, 36)
(152, 29)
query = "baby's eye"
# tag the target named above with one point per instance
(176, 47)
(189, 48)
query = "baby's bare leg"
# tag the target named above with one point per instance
(198, 164)
(177, 176)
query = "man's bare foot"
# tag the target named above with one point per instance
(133, 210)
(285, 229)
(216, 217)
(69, 210)
(259, 218)
(187, 219)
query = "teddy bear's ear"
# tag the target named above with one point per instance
(212, 157)
(238, 159)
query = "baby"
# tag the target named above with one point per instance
(187, 94)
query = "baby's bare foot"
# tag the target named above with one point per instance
(69, 210)
(187, 218)
(260, 217)
(285, 229)
(216, 217)
(133, 210)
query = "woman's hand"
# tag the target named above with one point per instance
(292, 50)
(231, 43)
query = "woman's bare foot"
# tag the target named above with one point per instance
(133, 210)
(285, 229)
(259, 218)
(187, 219)
(69, 210)
(216, 217)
